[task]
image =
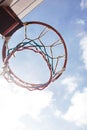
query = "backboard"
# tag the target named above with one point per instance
(11, 13)
(21, 7)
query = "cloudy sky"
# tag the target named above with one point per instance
(63, 105)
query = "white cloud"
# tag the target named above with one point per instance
(16, 102)
(83, 4)
(81, 34)
(57, 113)
(83, 44)
(71, 84)
(80, 21)
(77, 112)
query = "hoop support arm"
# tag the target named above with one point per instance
(9, 22)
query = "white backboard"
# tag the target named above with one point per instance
(21, 7)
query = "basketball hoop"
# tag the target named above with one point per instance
(48, 43)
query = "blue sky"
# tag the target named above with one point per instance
(63, 105)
